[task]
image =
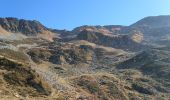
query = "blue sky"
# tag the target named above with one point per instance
(68, 14)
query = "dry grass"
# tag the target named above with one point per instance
(15, 55)
(101, 86)
(22, 79)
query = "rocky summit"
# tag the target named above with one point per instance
(112, 62)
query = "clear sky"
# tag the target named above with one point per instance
(67, 14)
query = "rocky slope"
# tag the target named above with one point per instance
(26, 27)
(155, 28)
(88, 63)
(153, 22)
(128, 42)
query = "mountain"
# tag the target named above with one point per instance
(110, 29)
(111, 62)
(153, 25)
(117, 41)
(153, 22)
(26, 27)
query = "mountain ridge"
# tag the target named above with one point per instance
(26, 27)
(111, 62)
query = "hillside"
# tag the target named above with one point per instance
(26, 27)
(153, 22)
(111, 62)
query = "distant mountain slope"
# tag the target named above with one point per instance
(153, 22)
(26, 27)
(154, 28)
(153, 62)
(117, 41)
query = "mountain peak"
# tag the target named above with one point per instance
(20, 25)
(26, 27)
(153, 22)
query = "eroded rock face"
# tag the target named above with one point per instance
(26, 27)
(23, 26)
(116, 41)
(137, 36)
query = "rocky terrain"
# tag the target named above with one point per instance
(111, 62)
